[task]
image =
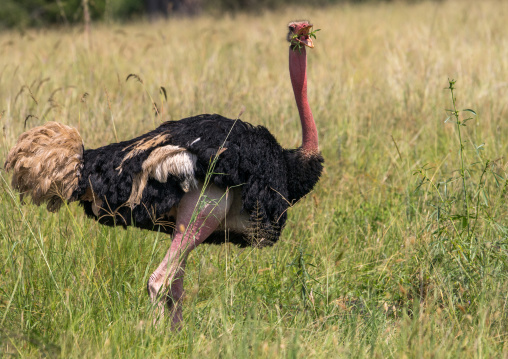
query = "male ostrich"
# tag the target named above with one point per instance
(164, 180)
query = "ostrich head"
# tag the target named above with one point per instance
(299, 33)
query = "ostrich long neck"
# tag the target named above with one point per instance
(298, 73)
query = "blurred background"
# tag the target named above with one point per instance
(36, 13)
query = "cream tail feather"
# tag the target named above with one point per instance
(46, 163)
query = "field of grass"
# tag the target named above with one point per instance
(400, 251)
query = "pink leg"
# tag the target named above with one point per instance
(165, 285)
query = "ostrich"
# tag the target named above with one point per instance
(163, 180)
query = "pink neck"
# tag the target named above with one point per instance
(298, 73)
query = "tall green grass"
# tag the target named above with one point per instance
(401, 250)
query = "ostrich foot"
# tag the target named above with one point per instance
(156, 292)
(162, 296)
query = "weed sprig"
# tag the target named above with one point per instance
(298, 45)
(460, 214)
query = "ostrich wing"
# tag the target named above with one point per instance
(139, 182)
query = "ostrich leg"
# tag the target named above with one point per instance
(165, 285)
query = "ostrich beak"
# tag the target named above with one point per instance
(304, 38)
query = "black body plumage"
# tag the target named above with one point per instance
(271, 178)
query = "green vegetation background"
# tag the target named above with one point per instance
(23, 13)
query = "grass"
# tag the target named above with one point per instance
(401, 251)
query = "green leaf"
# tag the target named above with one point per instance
(485, 199)
(469, 110)
(464, 222)
(455, 217)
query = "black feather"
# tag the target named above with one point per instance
(271, 178)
